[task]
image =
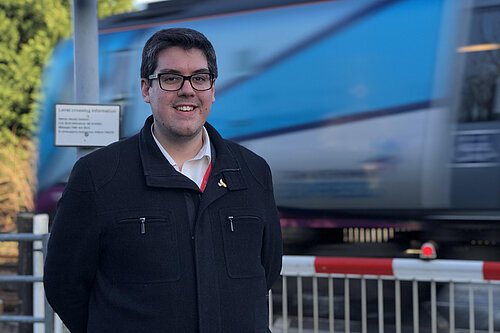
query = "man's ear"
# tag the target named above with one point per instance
(145, 90)
(213, 92)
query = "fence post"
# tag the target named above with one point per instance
(40, 227)
(25, 267)
(49, 312)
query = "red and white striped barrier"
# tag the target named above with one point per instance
(401, 269)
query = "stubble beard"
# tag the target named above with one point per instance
(179, 135)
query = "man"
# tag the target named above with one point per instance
(174, 229)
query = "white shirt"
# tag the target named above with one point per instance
(196, 167)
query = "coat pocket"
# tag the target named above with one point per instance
(242, 232)
(143, 249)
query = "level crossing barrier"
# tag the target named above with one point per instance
(333, 294)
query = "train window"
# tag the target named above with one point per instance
(116, 76)
(480, 94)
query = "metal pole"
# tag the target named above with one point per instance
(433, 307)
(331, 304)
(40, 227)
(490, 308)
(86, 55)
(380, 290)
(25, 267)
(347, 306)
(300, 306)
(49, 313)
(397, 296)
(472, 324)
(364, 325)
(284, 304)
(315, 304)
(452, 307)
(416, 319)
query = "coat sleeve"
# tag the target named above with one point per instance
(272, 250)
(73, 249)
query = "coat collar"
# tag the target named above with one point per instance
(160, 173)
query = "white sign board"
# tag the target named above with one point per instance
(86, 125)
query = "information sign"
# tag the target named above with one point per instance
(86, 125)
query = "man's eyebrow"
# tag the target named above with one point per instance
(202, 70)
(174, 71)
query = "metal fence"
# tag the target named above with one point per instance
(41, 317)
(331, 294)
(47, 319)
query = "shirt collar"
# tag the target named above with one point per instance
(205, 150)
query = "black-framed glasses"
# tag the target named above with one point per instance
(174, 82)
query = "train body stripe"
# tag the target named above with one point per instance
(338, 120)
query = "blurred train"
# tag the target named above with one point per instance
(369, 112)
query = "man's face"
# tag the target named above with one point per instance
(179, 115)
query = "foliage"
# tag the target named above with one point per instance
(29, 30)
(17, 160)
(112, 7)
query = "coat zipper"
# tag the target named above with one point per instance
(232, 218)
(143, 225)
(142, 222)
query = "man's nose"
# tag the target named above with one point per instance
(186, 88)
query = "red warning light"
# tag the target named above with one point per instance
(428, 251)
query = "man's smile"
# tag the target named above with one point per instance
(185, 108)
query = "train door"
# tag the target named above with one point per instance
(475, 165)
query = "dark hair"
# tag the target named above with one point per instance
(180, 37)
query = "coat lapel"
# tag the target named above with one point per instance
(158, 172)
(226, 174)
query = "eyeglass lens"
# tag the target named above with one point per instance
(200, 81)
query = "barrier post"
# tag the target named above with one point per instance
(25, 267)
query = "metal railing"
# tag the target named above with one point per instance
(48, 318)
(332, 294)
(321, 294)
(42, 317)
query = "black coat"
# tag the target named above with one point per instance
(123, 256)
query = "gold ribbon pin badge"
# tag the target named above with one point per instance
(221, 183)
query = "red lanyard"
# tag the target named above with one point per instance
(205, 178)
